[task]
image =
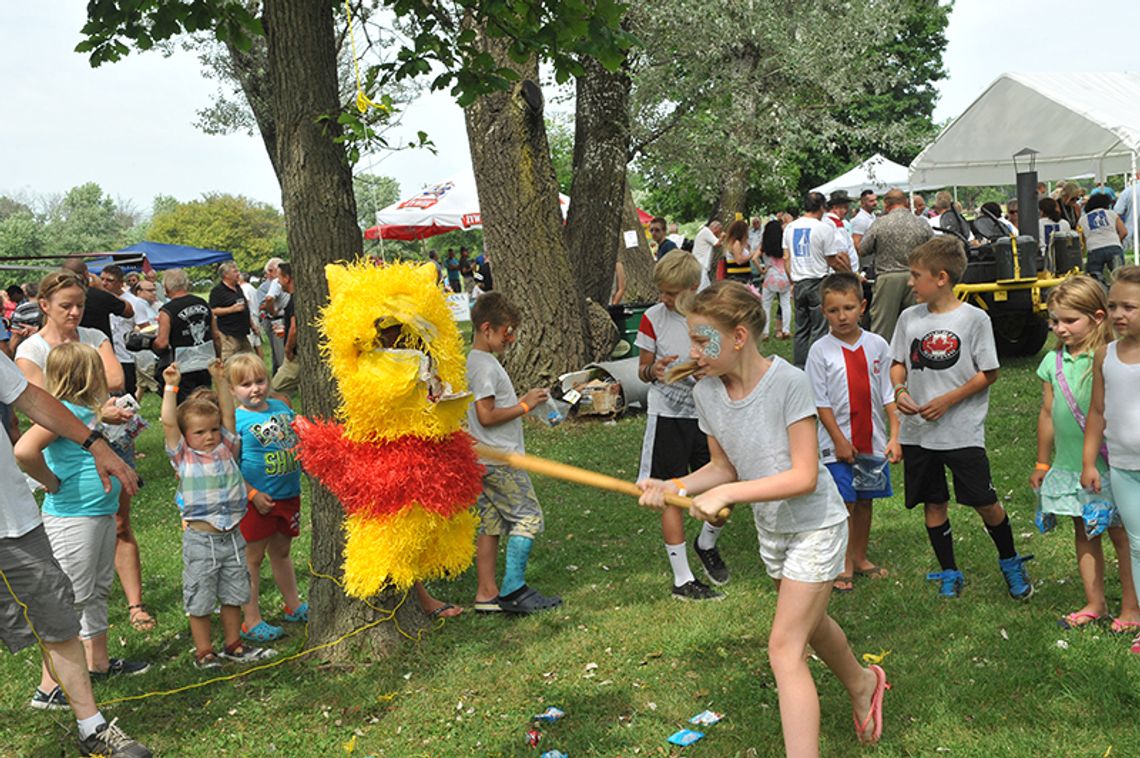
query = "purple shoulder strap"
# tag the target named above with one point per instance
(1078, 414)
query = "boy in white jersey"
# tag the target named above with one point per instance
(943, 363)
(674, 445)
(849, 371)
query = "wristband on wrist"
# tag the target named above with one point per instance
(1042, 466)
(525, 407)
(680, 487)
(251, 492)
(901, 388)
(171, 388)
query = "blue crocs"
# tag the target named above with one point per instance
(1013, 569)
(298, 616)
(951, 582)
(262, 632)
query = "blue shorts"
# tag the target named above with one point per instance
(844, 475)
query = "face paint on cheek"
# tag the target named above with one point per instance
(711, 348)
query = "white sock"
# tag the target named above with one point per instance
(707, 538)
(90, 725)
(679, 560)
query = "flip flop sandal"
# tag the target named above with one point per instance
(441, 612)
(140, 617)
(488, 606)
(874, 572)
(1074, 620)
(262, 632)
(1120, 626)
(529, 601)
(845, 580)
(875, 715)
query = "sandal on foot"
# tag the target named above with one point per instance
(875, 715)
(873, 572)
(527, 600)
(1120, 626)
(262, 632)
(1078, 619)
(208, 660)
(245, 654)
(140, 617)
(298, 616)
(442, 611)
(488, 606)
(842, 583)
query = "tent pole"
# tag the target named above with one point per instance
(1135, 219)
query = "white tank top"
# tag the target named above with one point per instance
(1121, 411)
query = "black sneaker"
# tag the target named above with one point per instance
(714, 567)
(696, 590)
(121, 666)
(49, 701)
(111, 741)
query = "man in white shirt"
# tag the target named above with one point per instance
(837, 206)
(868, 201)
(676, 236)
(810, 255)
(706, 241)
(755, 233)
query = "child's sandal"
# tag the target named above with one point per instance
(208, 660)
(298, 616)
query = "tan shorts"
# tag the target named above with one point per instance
(508, 504)
(287, 377)
(234, 345)
(814, 556)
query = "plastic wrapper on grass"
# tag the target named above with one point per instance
(400, 549)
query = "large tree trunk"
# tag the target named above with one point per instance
(601, 146)
(637, 261)
(320, 223)
(522, 225)
(732, 195)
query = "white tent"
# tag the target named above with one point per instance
(875, 173)
(1077, 123)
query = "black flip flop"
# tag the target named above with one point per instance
(528, 601)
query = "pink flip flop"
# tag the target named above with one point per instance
(1078, 619)
(876, 713)
(1120, 626)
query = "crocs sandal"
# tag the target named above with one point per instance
(1120, 626)
(262, 632)
(875, 715)
(527, 600)
(299, 616)
(1078, 619)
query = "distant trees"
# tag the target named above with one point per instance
(251, 230)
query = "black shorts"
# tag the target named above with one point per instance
(130, 380)
(925, 476)
(679, 446)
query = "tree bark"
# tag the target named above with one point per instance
(601, 147)
(320, 221)
(732, 195)
(638, 261)
(522, 225)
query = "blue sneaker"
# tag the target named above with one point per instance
(951, 582)
(1020, 588)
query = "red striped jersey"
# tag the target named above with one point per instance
(854, 382)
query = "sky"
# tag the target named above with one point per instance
(129, 126)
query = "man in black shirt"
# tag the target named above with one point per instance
(101, 305)
(231, 312)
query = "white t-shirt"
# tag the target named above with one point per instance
(664, 332)
(36, 348)
(1100, 229)
(253, 297)
(861, 224)
(121, 327)
(486, 377)
(703, 246)
(753, 432)
(807, 243)
(1121, 411)
(854, 381)
(941, 352)
(19, 513)
(843, 243)
(1046, 228)
(678, 239)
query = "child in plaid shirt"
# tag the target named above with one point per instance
(205, 452)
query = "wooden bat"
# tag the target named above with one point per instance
(568, 473)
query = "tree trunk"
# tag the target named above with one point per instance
(638, 261)
(601, 146)
(732, 196)
(320, 222)
(522, 225)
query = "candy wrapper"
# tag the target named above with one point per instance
(685, 737)
(532, 737)
(550, 715)
(706, 718)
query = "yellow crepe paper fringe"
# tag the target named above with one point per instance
(381, 398)
(411, 545)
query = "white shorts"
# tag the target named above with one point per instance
(814, 556)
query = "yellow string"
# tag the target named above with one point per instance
(363, 102)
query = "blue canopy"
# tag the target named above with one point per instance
(161, 256)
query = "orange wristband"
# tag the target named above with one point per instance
(525, 407)
(251, 493)
(680, 487)
(1042, 466)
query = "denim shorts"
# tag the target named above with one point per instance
(214, 571)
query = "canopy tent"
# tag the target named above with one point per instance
(160, 256)
(877, 173)
(1077, 123)
(449, 206)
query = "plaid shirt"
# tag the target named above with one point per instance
(210, 485)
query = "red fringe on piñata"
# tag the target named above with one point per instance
(378, 479)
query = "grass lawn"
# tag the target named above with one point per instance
(980, 676)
